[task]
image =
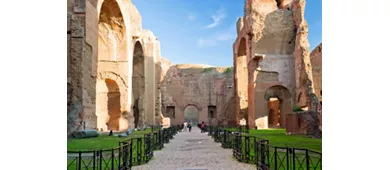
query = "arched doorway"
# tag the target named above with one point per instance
(138, 87)
(113, 104)
(279, 103)
(108, 105)
(191, 114)
(242, 80)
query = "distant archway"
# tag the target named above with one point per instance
(191, 114)
(279, 102)
(138, 87)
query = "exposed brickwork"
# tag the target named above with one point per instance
(199, 86)
(101, 49)
(276, 54)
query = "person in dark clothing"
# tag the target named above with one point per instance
(202, 127)
(189, 127)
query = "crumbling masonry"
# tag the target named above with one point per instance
(109, 87)
(117, 78)
(273, 72)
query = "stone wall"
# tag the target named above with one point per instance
(304, 123)
(101, 35)
(316, 61)
(196, 85)
(272, 40)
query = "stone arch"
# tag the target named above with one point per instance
(138, 85)
(241, 73)
(112, 38)
(191, 113)
(279, 99)
(117, 78)
(111, 101)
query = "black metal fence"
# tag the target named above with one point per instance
(274, 157)
(131, 152)
(255, 150)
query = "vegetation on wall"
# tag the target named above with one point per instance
(206, 70)
(228, 70)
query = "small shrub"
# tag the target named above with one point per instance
(228, 70)
(297, 109)
(206, 70)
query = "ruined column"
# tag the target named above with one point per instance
(303, 69)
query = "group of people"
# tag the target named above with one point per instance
(184, 126)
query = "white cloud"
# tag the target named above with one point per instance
(206, 42)
(217, 18)
(191, 16)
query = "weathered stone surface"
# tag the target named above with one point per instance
(77, 30)
(316, 61)
(108, 35)
(277, 31)
(79, 6)
(197, 85)
(239, 24)
(304, 122)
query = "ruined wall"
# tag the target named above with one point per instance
(162, 67)
(114, 44)
(81, 69)
(200, 86)
(276, 51)
(304, 123)
(316, 61)
(101, 40)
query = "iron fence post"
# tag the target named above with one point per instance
(276, 159)
(112, 158)
(79, 163)
(101, 159)
(94, 160)
(307, 159)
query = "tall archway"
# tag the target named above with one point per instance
(112, 46)
(138, 87)
(279, 102)
(242, 79)
(191, 114)
(112, 33)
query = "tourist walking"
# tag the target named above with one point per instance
(189, 127)
(202, 127)
(185, 126)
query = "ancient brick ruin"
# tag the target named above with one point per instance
(273, 72)
(207, 90)
(117, 78)
(109, 87)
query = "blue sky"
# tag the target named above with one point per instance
(203, 31)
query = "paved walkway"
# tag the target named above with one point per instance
(194, 151)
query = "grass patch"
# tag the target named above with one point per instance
(101, 142)
(139, 155)
(278, 137)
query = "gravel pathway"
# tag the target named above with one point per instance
(194, 151)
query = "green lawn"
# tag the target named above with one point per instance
(101, 142)
(278, 137)
(106, 142)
